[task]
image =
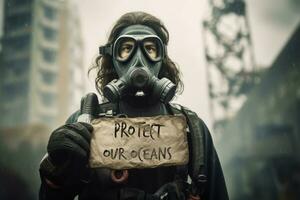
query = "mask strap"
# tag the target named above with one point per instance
(165, 50)
(104, 50)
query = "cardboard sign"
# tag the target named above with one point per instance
(142, 142)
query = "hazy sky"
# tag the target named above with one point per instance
(271, 21)
(1, 17)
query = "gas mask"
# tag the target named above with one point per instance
(137, 56)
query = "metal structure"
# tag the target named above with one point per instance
(229, 55)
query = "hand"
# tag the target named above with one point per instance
(68, 149)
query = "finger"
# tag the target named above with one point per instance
(64, 150)
(64, 138)
(77, 138)
(81, 129)
(79, 155)
(87, 126)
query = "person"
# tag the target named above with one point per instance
(137, 78)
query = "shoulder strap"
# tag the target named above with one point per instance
(104, 110)
(195, 138)
(108, 109)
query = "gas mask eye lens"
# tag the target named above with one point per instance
(125, 48)
(151, 49)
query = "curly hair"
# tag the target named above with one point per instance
(104, 65)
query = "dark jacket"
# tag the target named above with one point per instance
(145, 180)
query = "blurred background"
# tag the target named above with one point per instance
(239, 61)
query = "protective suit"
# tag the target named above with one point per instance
(137, 55)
